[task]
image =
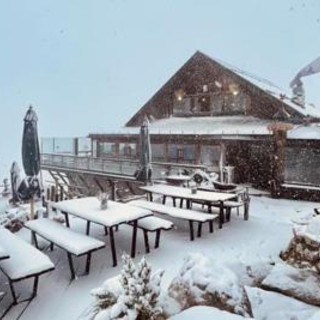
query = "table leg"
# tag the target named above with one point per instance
(210, 226)
(67, 218)
(199, 230)
(191, 230)
(34, 239)
(113, 247)
(134, 238)
(146, 241)
(150, 196)
(221, 215)
(88, 228)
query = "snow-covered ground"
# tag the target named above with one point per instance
(267, 232)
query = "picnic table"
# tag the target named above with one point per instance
(207, 197)
(116, 213)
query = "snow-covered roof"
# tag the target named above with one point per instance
(307, 132)
(308, 110)
(220, 126)
(226, 125)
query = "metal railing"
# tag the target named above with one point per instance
(110, 165)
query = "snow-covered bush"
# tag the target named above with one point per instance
(203, 281)
(13, 219)
(303, 249)
(133, 295)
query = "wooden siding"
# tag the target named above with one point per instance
(201, 70)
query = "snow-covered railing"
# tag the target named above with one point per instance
(109, 165)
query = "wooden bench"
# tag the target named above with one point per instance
(72, 242)
(25, 262)
(178, 213)
(153, 224)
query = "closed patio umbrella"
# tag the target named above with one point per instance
(145, 152)
(30, 144)
(15, 181)
(31, 153)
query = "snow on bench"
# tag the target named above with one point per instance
(25, 261)
(178, 213)
(153, 224)
(72, 242)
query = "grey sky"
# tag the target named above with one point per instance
(89, 65)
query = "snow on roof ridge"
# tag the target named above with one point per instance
(259, 82)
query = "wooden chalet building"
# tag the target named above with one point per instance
(212, 115)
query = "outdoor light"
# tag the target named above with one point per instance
(234, 89)
(205, 88)
(179, 94)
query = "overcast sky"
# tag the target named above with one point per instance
(90, 65)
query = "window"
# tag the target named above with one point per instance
(302, 165)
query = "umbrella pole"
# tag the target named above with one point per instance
(32, 208)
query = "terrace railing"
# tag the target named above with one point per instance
(126, 167)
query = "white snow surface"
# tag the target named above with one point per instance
(222, 125)
(316, 316)
(74, 242)
(308, 227)
(260, 239)
(283, 308)
(89, 209)
(287, 278)
(205, 313)
(24, 258)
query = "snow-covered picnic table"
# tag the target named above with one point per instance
(116, 213)
(25, 261)
(207, 197)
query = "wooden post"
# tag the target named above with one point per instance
(279, 136)
(32, 208)
(53, 191)
(48, 194)
(113, 190)
(61, 193)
